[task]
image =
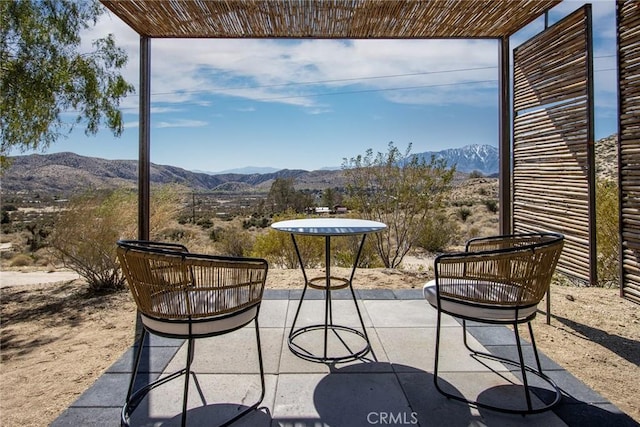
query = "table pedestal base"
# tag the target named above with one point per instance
(328, 342)
(305, 343)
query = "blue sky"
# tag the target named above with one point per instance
(226, 104)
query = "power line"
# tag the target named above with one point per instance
(317, 82)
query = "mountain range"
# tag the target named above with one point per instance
(65, 173)
(480, 158)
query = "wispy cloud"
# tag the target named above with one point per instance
(298, 72)
(181, 123)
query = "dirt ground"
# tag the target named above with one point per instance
(56, 341)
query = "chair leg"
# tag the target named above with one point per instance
(185, 396)
(525, 382)
(262, 382)
(437, 356)
(535, 349)
(520, 364)
(134, 398)
(136, 364)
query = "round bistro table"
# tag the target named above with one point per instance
(327, 228)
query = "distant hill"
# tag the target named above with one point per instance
(65, 173)
(481, 158)
(247, 170)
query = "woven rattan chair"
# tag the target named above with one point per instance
(497, 280)
(189, 296)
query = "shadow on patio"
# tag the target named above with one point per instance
(392, 385)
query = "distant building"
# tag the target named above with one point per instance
(340, 209)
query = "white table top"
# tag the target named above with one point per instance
(329, 226)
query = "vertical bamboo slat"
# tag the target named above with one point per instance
(628, 34)
(553, 163)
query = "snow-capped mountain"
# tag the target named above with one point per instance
(475, 157)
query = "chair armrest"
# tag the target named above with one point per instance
(166, 246)
(510, 241)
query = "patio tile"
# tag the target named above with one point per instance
(415, 294)
(273, 313)
(492, 334)
(88, 417)
(313, 312)
(338, 399)
(415, 347)
(593, 415)
(235, 352)
(375, 294)
(403, 313)
(488, 387)
(290, 363)
(218, 398)
(153, 359)
(433, 409)
(110, 390)
(275, 294)
(511, 352)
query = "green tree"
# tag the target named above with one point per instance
(44, 74)
(330, 197)
(399, 190)
(283, 197)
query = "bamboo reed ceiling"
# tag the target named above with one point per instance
(553, 158)
(629, 139)
(353, 19)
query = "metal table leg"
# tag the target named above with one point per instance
(328, 325)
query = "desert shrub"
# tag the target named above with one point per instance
(234, 241)
(5, 217)
(473, 232)
(256, 222)
(277, 247)
(175, 234)
(345, 249)
(463, 213)
(608, 242)
(215, 233)
(462, 203)
(21, 260)
(438, 232)
(84, 236)
(39, 230)
(492, 205)
(399, 190)
(476, 174)
(205, 223)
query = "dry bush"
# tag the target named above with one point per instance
(235, 241)
(21, 260)
(84, 237)
(438, 233)
(607, 233)
(345, 249)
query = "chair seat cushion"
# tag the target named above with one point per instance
(202, 306)
(475, 310)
